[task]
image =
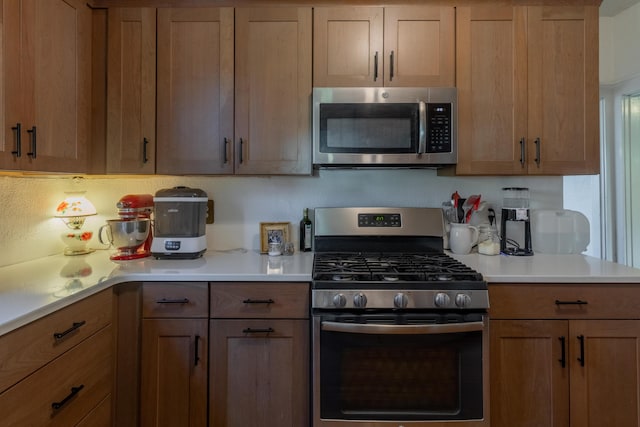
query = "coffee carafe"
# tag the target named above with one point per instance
(515, 225)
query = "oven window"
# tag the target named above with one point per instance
(369, 128)
(401, 377)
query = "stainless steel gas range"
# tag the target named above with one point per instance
(399, 327)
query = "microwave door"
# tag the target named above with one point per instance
(370, 132)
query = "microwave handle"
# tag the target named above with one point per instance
(422, 135)
(385, 329)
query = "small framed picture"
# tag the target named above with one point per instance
(273, 232)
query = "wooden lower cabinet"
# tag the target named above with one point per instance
(174, 372)
(566, 368)
(259, 355)
(65, 390)
(259, 373)
(174, 357)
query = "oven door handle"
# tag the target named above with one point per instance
(425, 329)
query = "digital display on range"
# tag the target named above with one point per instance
(379, 220)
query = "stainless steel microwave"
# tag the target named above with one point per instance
(384, 127)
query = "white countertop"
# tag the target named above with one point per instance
(545, 268)
(33, 289)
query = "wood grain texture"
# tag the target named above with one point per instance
(290, 300)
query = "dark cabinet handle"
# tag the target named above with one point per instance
(258, 301)
(257, 331)
(173, 301)
(241, 150)
(74, 391)
(563, 354)
(224, 153)
(60, 335)
(522, 141)
(145, 142)
(391, 66)
(581, 358)
(197, 358)
(375, 67)
(576, 302)
(18, 129)
(537, 159)
(34, 146)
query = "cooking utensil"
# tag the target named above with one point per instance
(470, 205)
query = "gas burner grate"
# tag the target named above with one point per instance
(391, 267)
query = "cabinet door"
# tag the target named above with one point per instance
(529, 385)
(419, 46)
(563, 90)
(492, 90)
(273, 91)
(174, 372)
(10, 83)
(195, 91)
(131, 90)
(259, 373)
(347, 46)
(51, 97)
(605, 385)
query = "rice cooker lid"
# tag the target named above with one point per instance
(189, 194)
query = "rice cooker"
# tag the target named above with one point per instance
(179, 225)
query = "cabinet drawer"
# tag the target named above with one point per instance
(260, 300)
(174, 299)
(564, 301)
(28, 348)
(86, 368)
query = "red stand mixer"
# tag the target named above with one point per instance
(134, 207)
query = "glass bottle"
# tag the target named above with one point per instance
(306, 232)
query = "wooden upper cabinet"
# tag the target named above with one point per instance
(131, 94)
(195, 91)
(392, 46)
(419, 46)
(492, 89)
(347, 46)
(273, 90)
(47, 79)
(563, 91)
(527, 81)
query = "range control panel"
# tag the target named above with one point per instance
(379, 220)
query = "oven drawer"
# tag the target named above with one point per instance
(171, 299)
(564, 301)
(63, 392)
(28, 348)
(260, 300)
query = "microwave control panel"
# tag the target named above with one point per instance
(439, 138)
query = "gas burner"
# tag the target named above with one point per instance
(390, 278)
(444, 278)
(342, 278)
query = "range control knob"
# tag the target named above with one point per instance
(463, 300)
(400, 300)
(360, 300)
(441, 299)
(339, 300)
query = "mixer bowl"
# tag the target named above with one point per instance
(126, 234)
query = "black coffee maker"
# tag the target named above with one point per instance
(515, 224)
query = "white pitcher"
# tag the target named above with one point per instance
(462, 237)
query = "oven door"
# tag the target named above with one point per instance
(388, 369)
